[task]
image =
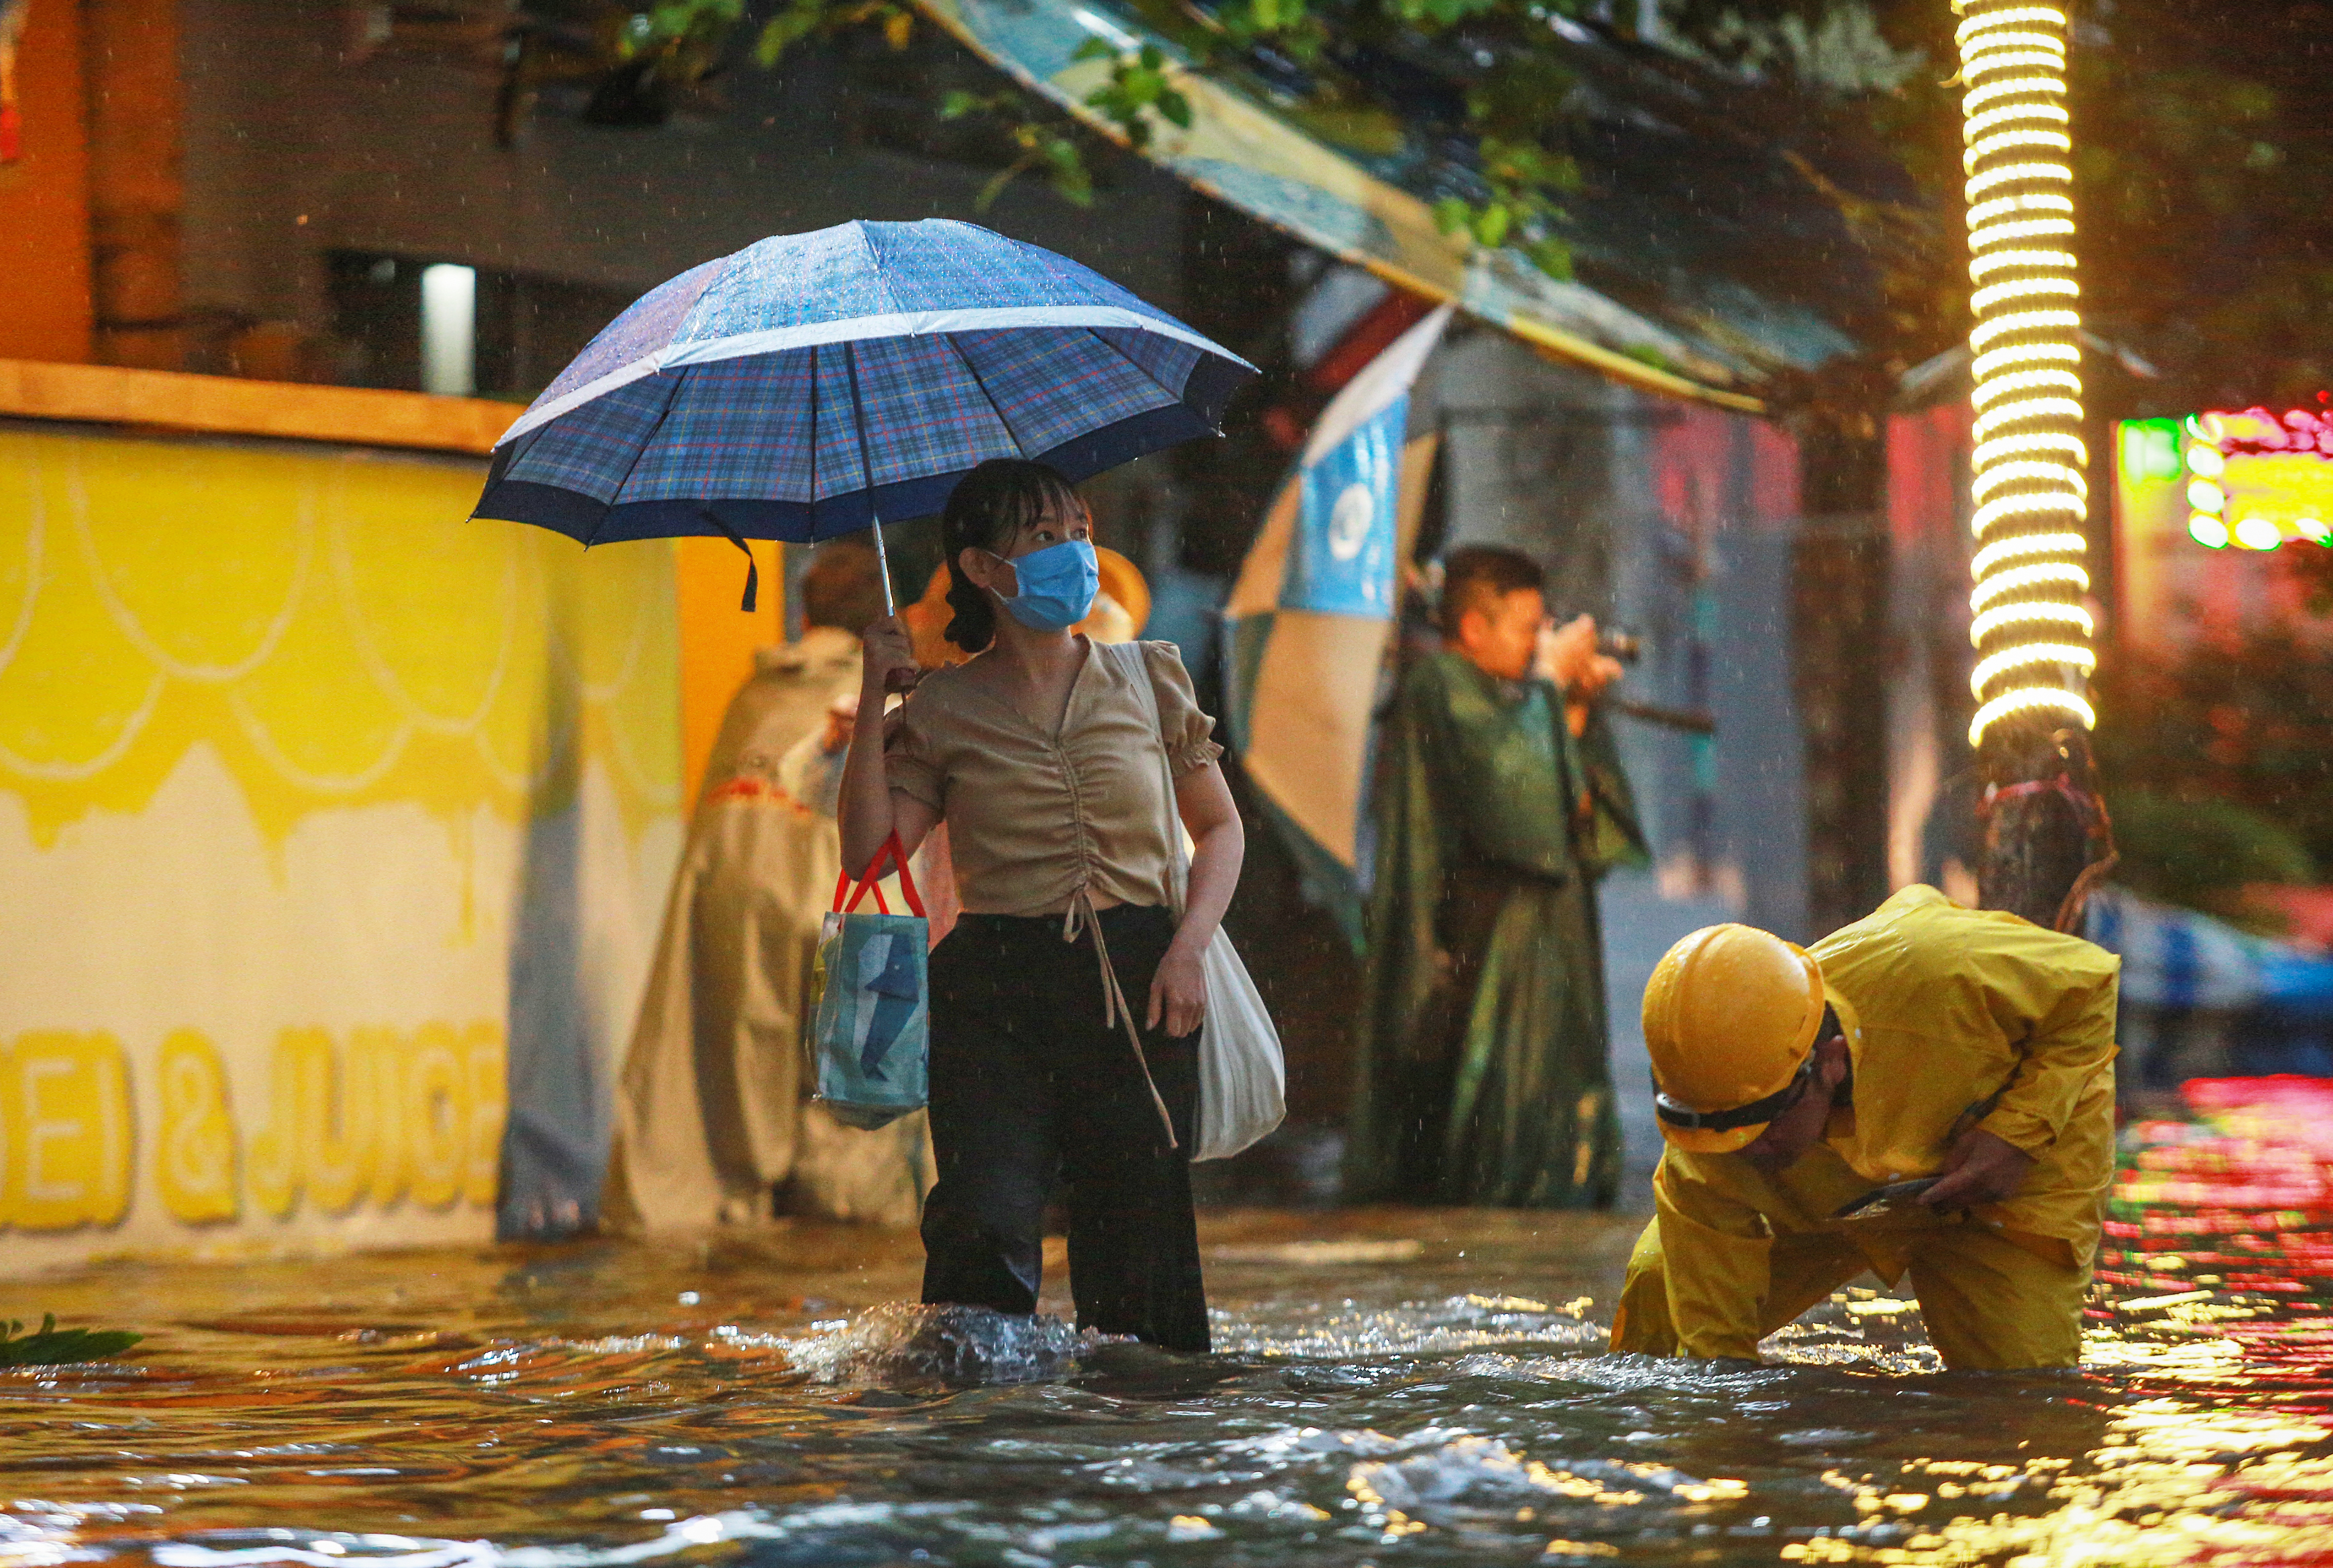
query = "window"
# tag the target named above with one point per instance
(425, 324)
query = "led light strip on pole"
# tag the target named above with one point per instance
(2031, 633)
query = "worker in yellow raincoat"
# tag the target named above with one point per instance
(1926, 1040)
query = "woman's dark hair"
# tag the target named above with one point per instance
(2047, 838)
(988, 506)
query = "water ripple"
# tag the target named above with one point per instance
(1389, 1389)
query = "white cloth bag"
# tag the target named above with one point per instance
(1243, 1077)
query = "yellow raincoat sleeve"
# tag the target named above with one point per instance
(1716, 1252)
(2065, 1024)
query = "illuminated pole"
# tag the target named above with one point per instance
(2031, 633)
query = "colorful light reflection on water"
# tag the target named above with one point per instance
(1392, 1388)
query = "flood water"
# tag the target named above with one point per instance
(1390, 1388)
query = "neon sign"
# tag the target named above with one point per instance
(2253, 480)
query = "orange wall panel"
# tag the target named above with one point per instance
(717, 639)
(44, 306)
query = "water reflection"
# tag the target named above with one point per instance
(1414, 1388)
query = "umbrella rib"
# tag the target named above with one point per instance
(1137, 364)
(859, 418)
(640, 451)
(875, 263)
(958, 349)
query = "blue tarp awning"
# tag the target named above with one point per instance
(2176, 958)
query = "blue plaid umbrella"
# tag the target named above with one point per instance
(813, 385)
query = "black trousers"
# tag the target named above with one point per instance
(1030, 1089)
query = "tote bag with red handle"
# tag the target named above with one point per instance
(871, 1040)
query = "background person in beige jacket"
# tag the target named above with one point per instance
(712, 1123)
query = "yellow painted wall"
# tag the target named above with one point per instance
(297, 769)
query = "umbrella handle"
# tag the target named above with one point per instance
(883, 569)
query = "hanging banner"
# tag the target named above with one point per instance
(1312, 614)
(1342, 561)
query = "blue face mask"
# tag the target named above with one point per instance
(1057, 584)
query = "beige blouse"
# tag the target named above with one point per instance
(1034, 818)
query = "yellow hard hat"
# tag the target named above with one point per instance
(1731, 1015)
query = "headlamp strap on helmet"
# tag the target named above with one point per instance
(1749, 1115)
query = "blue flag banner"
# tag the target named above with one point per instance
(1342, 562)
(1313, 612)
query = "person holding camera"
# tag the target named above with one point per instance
(1482, 1075)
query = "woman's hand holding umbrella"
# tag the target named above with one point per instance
(888, 659)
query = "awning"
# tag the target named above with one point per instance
(1714, 253)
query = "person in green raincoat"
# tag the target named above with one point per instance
(1482, 1074)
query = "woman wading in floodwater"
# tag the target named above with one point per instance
(1042, 758)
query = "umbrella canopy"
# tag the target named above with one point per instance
(811, 384)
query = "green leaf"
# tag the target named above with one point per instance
(1450, 215)
(1438, 12)
(1553, 257)
(1067, 172)
(785, 30)
(1094, 49)
(52, 1346)
(1122, 109)
(1175, 108)
(1004, 177)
